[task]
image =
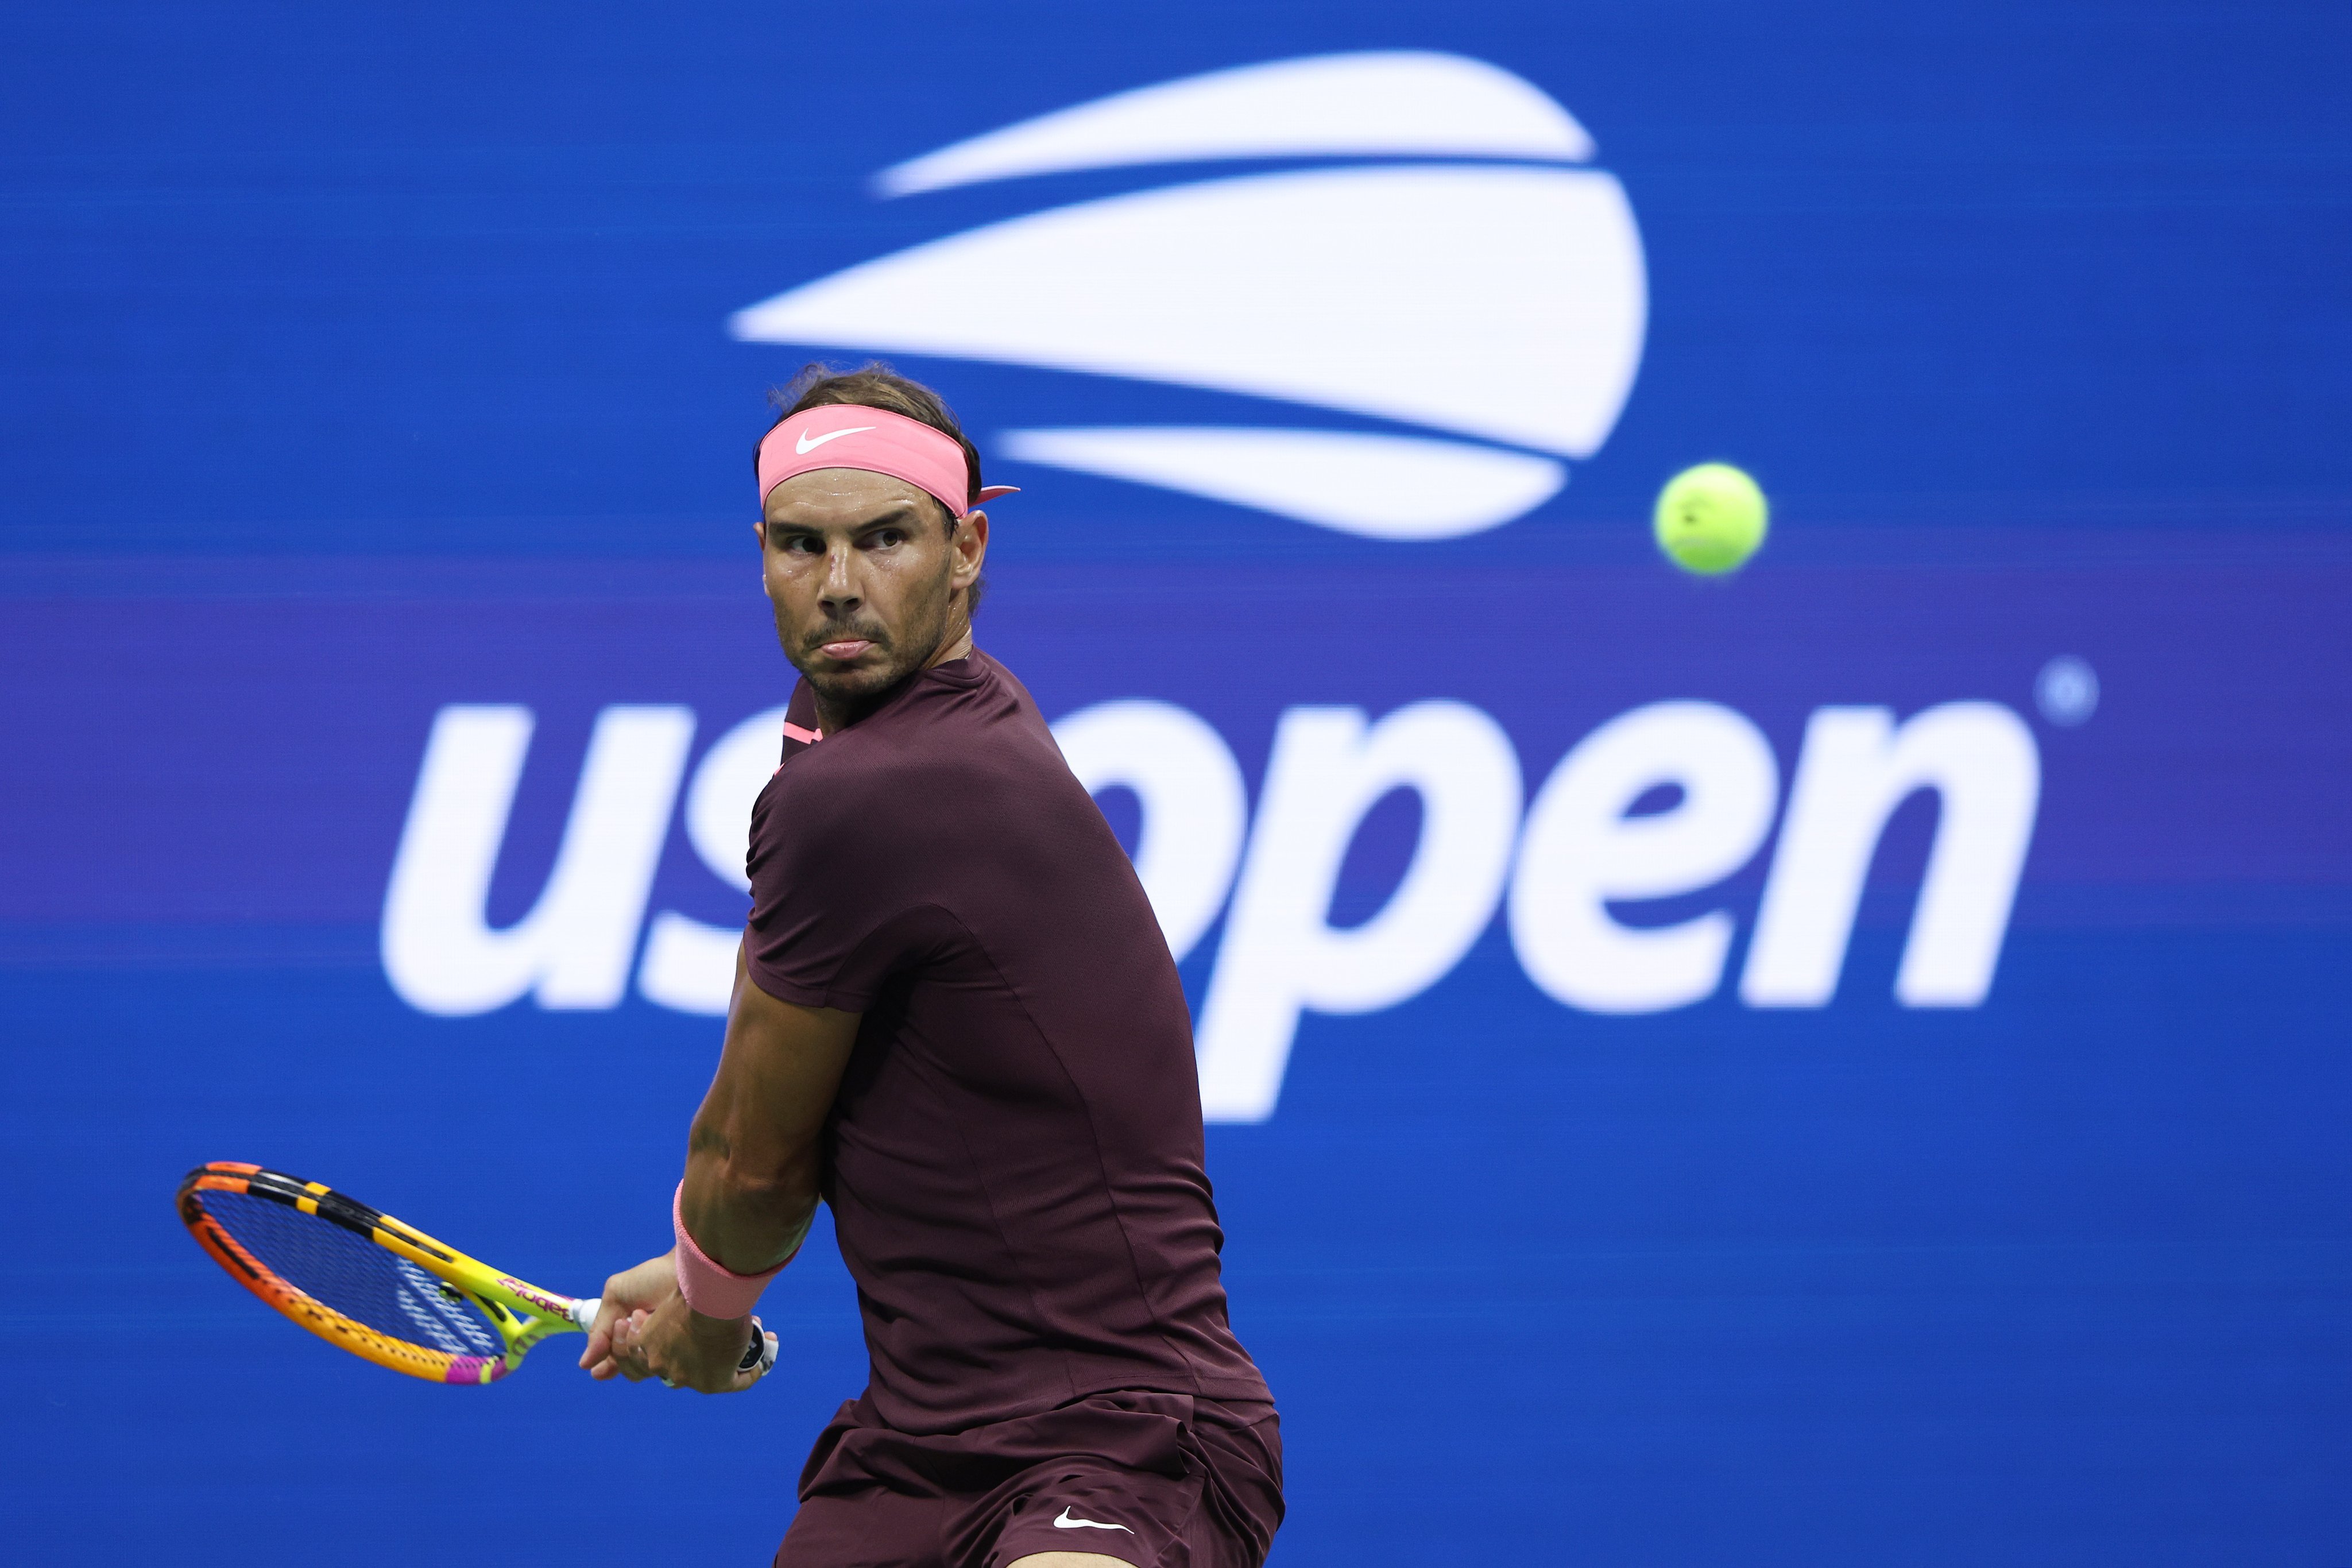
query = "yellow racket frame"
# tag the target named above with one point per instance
(522, 1313)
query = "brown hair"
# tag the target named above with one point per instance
(873, 385)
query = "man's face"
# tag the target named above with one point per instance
(864, 576)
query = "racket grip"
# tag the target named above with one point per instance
(761, 1353)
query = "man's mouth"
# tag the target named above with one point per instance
(845, 649)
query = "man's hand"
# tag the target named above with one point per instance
(632, 1294)
(645, 1329)
(685, 1349)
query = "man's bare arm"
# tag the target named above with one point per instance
(752, 1169)
(752, 1152)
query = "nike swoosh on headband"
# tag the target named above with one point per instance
(808, 444)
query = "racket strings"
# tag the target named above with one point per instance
(354, 1276)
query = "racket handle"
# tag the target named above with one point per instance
(761, 1353)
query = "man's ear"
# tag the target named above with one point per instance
(969, 541)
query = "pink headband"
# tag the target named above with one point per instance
(851, 435)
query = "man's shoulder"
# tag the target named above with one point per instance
(953, 737)
(971, 719)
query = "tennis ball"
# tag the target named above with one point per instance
(1710, 518)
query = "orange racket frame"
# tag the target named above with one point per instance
(522, 1313)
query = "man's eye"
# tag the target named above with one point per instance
(888, 537)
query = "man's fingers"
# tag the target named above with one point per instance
(637, 1345)
(609, 1311)
(627, 1356)
(618, 1338)
(710, 1367)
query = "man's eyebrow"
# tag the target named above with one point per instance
(898, 512)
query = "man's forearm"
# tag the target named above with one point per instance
(744, 1219)
(753, 1155)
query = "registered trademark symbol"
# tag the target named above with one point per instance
(2066, 691)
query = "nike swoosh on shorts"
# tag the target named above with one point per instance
(1066, 1523)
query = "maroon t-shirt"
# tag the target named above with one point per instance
(1014, 1159)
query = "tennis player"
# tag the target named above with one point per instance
(954, 1020)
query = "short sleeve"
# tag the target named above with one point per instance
(835, 908)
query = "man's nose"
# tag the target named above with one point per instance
(841, 587)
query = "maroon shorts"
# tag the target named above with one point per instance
(1160, 1480)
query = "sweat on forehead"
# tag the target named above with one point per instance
(851, 435)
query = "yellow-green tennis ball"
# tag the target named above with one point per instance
(1710, 518)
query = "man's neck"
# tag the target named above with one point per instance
(956, 647)
(832, 718)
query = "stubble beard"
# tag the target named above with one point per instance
(854, 691)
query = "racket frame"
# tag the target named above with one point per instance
(522, 1313)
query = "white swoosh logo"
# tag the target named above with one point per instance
(1375, 101)
(1512, 257)
(808, 444)
(1534, 273)
(1066, 1523)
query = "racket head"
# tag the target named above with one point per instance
(363, 1281)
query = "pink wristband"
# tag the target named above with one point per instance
(713, 1289)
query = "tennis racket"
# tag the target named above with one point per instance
(379, 1288)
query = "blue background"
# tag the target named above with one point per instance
(360, 361)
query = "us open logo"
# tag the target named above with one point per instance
(1496, 295)
(1347, 292)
